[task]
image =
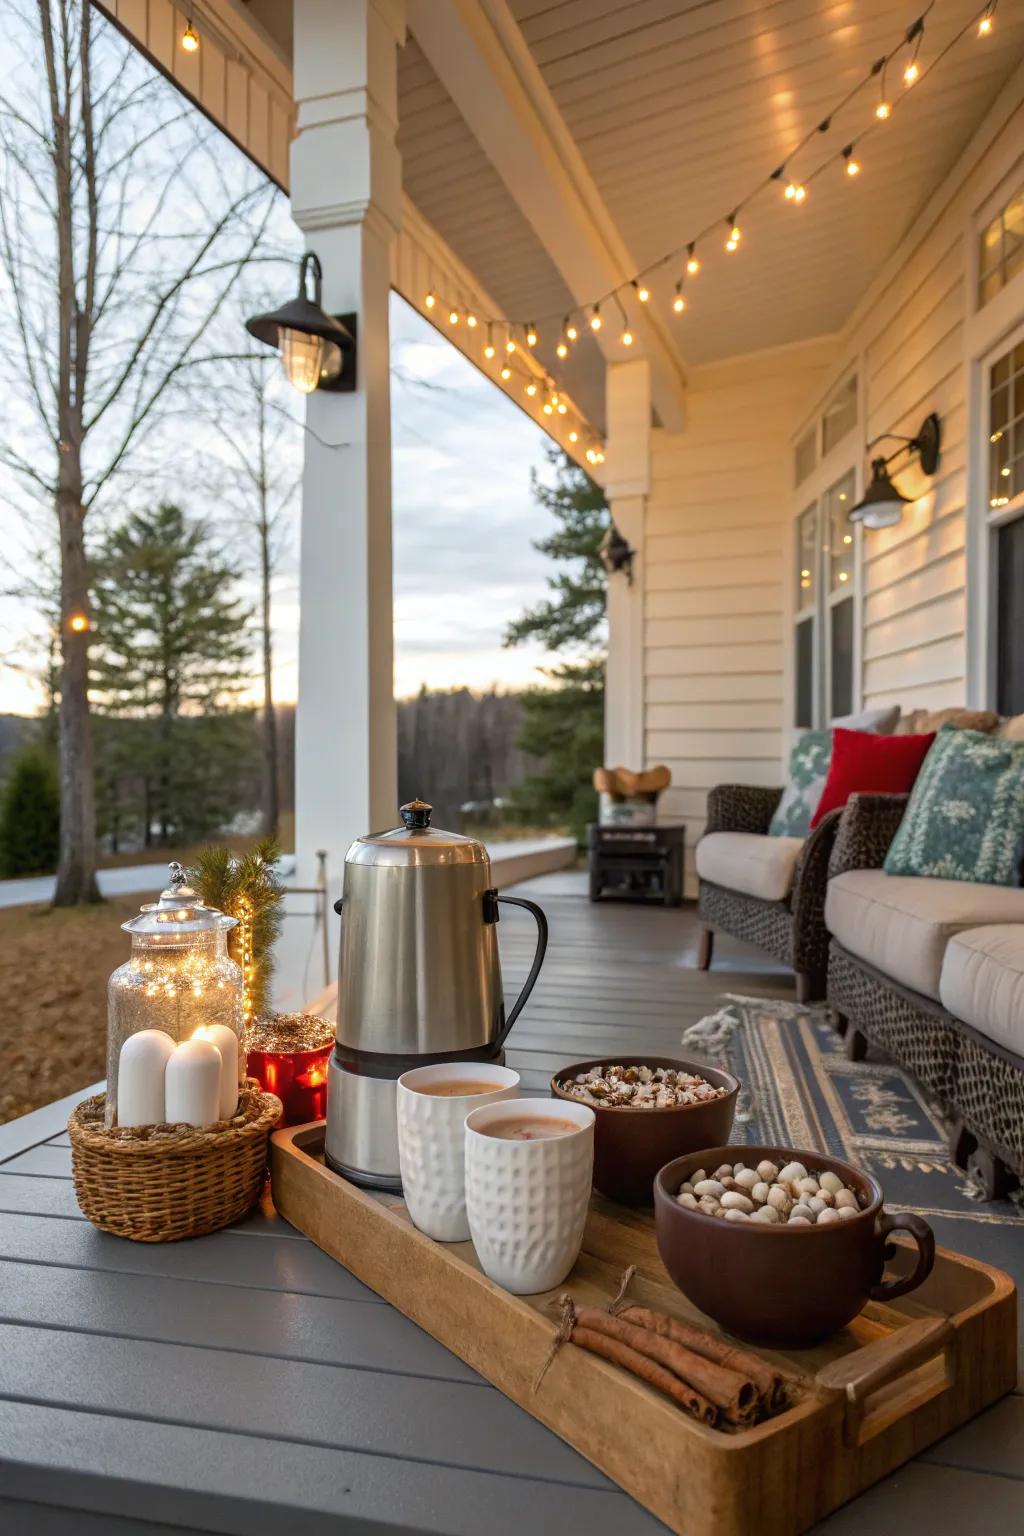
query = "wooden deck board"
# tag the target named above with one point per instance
(244, 1383)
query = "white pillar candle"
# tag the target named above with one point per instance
(192, 1083)
(140, 1077)
(226, 1042)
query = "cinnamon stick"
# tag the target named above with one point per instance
(767, 1381)
(599, 1343)
(734, 1394)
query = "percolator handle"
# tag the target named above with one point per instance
(538, 958)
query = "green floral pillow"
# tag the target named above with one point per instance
(808, 770)
(965, 819)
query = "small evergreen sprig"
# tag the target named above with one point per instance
(246, 887)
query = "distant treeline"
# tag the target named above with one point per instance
(456, 748)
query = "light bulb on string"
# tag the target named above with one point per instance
(562, 350)
(796, 192)
(883, 111)
(574, 436)
(549, 409)
(453, 317)
(987, 22)
(852, 165)
(561, 408)
(599, 456)
(510, 345)
(430, 300)
(190, 38)
(471, 321)
(679, 303)
(531, 335)
(735, 233)
(912, 72)
(531, 388)
(627, 337)
(595, 318)
(506, 372)
(489, 348)
(571, 332)
(692, 264)
(643, 293)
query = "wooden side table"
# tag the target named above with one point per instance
(641, 864)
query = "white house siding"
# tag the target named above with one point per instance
(715, 533)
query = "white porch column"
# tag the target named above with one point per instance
(628, 396)
(346, 197)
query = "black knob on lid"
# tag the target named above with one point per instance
(416, 815)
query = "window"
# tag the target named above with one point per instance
(839, 553)
(805, 456)
(1001, 249)
(840, 415)
(807, 563)
(1005, 520)
(1006, 428)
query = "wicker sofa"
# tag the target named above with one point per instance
(768, 891)
(932, 972)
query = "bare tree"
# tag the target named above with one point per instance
(260, 443)
(124, 227)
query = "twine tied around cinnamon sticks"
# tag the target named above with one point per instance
(710, 1379)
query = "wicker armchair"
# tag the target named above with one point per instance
(978, 1083)
(791, 930)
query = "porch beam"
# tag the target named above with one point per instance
(478, 52)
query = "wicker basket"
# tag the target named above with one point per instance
(158, 1183)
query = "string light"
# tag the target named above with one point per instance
(692, 264)
(796, 192)
(489, 348)
(531, 336)
(510, 346)
(471, 321)
(453, 317)
(574, 436)
(852, 165)
(911, 73)
(735, 233)
(571, 332)
(190, 38)
(595, 318)
(506, 372)
(430, 300)
(987, 22)
(627, 337)
(643, 293)
(883, 111)
(549, 409)
(531, 388)
(915, 34)
(562, 350)
(562, 408)
(679, 303)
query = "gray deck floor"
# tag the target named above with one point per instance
(246, 1383)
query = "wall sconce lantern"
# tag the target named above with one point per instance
(318, 350)
(882, 504)
(615, 553)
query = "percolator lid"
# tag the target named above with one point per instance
(416, 842)
(178, 913)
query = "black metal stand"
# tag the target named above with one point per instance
(642, 864)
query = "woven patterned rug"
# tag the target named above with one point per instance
(800, 1091)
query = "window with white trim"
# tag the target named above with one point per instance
(825, 607)
(1001, 249)
(1005, 519)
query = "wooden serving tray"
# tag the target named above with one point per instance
(897, 1379)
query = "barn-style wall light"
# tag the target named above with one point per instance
(318, 350)
(882, 504)
(615, 553)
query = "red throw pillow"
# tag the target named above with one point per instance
(866, 764)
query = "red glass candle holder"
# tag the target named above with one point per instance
(298, 1075)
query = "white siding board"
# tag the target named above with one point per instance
(690, 688)
(734, 629)
(716, 602)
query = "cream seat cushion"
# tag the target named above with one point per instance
(901, 924)
(748, 862)
(982, 982)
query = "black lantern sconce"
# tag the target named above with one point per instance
(615, 553)
(882, 504)
(318, 350)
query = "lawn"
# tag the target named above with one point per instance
(53, 975)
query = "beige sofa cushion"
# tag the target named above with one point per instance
(921, 721)
(901, 924)
(748, 862)
(982, 982)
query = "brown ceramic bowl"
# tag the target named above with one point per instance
(778, 1285)
(630, 1145)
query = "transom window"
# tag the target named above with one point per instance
(837, 419)
(1001, 248)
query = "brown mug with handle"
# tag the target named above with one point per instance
(778, 1285)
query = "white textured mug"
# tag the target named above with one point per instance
(527, 1201)
(432, 1138)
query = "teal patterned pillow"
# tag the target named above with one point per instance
(808, 770)
(965, 819)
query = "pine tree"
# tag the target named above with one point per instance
(171, 654)
(564, 723)
(30, 813)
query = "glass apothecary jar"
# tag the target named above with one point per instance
(178, 978)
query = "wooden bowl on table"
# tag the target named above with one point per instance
(782, 1285)
(630, 1145)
